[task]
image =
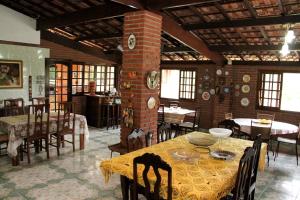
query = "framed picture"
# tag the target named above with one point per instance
(11, 74)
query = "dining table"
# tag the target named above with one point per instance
(175, 115)
(16, 128)
(278, 129)
(203, 177)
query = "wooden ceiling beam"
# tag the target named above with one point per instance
(52, 37)
(110, 10)
(171, 28)
(99, 37)
(245, 22)
(240, 48)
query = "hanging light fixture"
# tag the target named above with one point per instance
(290, 36)
(285, 49)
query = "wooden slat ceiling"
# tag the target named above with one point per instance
(239, 30)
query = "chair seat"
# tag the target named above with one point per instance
(187, 125)
(286, 140)
(118, 148)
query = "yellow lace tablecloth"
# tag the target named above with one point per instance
(205, 179)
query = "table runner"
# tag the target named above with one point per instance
(207, 179)
(16, 127)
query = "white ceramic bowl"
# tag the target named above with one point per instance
(220, 132)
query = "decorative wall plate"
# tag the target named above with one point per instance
(245, 89)
(212, 91)
(131, 41)
(245, 101)
(205, 96)
(152, 79)
(237, 87)
(200, 91)
(246, 78)
(206, 85)
(226, 73)
(226, 90)
(151, 103)
(219, 72)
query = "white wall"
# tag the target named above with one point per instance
(17, 27)
(33, 59)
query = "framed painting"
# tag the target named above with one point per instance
(11, 74)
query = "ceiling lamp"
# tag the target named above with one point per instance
(285, 49)
(290, 36)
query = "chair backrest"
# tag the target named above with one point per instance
(230, 124)
(242, 184)
(14, 107)
(258, 129)
(266, 116)
(161, 114)
(228, 116)
(174, 104)
(154, 161)
(164, 132)
(38, 100)
(136, 140)
(37, 122)
(66, 117)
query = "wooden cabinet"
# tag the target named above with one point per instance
(93, 110)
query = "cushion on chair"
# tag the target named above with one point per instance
(286, 140)
(118, 148)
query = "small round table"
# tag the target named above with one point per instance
(278, 128)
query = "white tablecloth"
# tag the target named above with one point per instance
(176, 115)
(278, 128)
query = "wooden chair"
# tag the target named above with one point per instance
(192, 125)
(164, 133)
(228, 116)
(38, 100)
(135, 141)
(161, 115)
(266, 116)
(3, 140)
(293, 139)
(13, 107)
(243, 180)
(265, 132)
(174, 104)
(232, 125)
(65, 125)
(257, 148)
(37, 130)
(157, 164)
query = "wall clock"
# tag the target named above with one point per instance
(131, 41)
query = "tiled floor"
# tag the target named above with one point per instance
(76, 176)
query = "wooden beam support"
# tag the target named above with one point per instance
(234, 62)
(182, 49)
(245, 22)
(240, 48)
(99, 37)
(110, 10)
(52, 37)
(171, 28)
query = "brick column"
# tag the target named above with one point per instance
(145, 57)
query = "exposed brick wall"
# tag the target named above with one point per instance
(61, 52)
(145, 57)
(213, 111)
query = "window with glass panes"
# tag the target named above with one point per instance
(110, 78)
(58, 85)
(77, 75)
(89, 74)
(187, 84)
(269, 90)
(100, 79)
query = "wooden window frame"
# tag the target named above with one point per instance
(180, 70)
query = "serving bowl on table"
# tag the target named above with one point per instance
(220, 132)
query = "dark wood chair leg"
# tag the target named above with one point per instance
(47, 148)
(297, 152)
(28, 152)
(125, 187)
(73, 140)
(20, 148)
(58, 144)
(277, 150)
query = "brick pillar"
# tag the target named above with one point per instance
(145, 57)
